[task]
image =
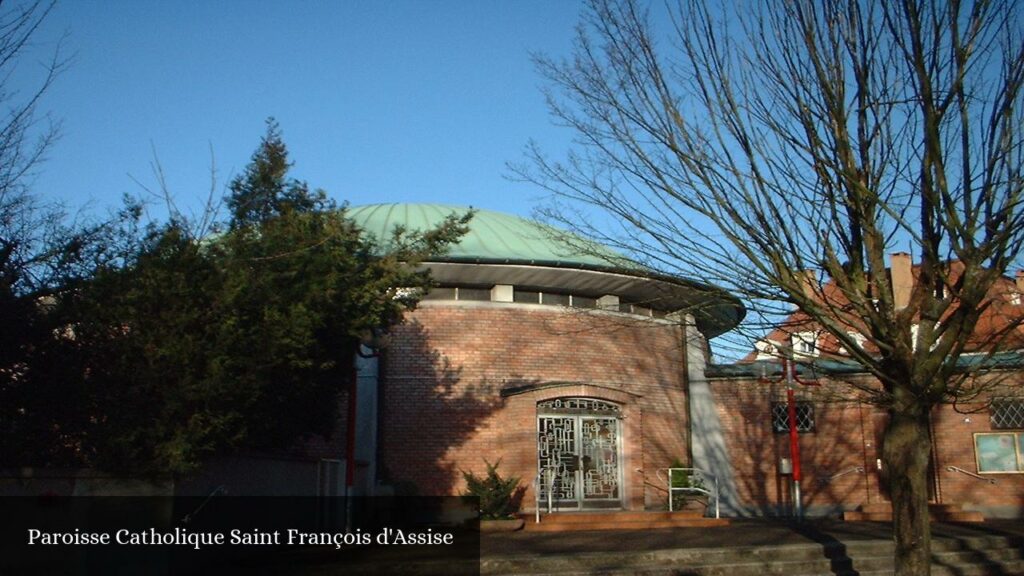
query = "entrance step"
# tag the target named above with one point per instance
(622, 520)
(982, 556)
(882, 512)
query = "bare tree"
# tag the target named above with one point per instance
(29, 254)
(757, 142)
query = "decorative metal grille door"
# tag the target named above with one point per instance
(599, 448)
(578, 444)
(556, 453)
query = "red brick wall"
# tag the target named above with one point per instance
(840, 442)
(954, 437)
(847, 435)
(443, 410)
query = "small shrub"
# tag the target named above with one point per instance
(499, 497)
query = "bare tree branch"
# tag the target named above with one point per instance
(755, 144)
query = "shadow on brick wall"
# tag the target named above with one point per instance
(837, 457)
(427, 412)
(834, 458)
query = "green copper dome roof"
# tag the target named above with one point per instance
(508, 250)
(493, 238)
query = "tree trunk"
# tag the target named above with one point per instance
(905, 453)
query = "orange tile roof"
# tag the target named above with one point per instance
(1001, 320)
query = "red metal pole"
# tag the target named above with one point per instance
(794, 439)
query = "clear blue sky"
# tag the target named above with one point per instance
(379, 101)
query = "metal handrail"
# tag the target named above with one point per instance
(702, 475)
(222, 489)
(548, 471)
(971, 474)
(853, 470)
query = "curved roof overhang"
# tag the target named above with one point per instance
(714, 310)
(504, 249)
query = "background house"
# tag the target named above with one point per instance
(978, 442)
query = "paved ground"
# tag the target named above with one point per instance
(759, 532)
(429, 560)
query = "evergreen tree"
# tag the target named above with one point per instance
(264, 190)
(191, 348)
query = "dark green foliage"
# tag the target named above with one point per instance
(147, 333)
(185, 348)
(499, 497)
(264, 191)
(44, 407)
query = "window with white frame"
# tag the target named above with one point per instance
(915, 330)
(805, 343)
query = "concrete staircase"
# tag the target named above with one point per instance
(619, 520)
(882, 512)
(972, 556)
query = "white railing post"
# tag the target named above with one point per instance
(546, 476)
(717, 516)
(702, 475)
(536, 491)
(971, 474)
(536, 504)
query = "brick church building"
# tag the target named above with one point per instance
(551, 354)
(587, 377)
(536, 353)
(554, 355)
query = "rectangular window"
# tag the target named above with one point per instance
(440, 293)
(805, 343)
(477, 294)
(999, 452)
(632, 308)
(583, 302)
(804, 417)
(1007, 413)
(526, 297)
(553, 299)
(641, 310)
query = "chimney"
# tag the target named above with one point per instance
(902, 279)
(809, 282)
(1020, 281)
